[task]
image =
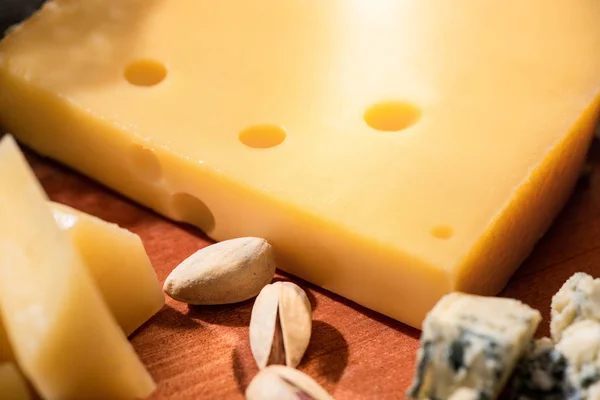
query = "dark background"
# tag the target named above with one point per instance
(13, 11)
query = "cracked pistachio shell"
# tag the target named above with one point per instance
(278, 382)
(226, 272)
(280, 325)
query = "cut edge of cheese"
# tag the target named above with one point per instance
(64, 337)
(118, 263)
(554, 178)
(12, 384)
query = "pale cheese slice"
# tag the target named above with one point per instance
(64, 337)
(119, 265)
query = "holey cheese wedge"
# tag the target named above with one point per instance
(64, 338)
(391, 151)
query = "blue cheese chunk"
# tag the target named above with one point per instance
(577, 300)
(540, 374)
(580, 345)
(470, 346)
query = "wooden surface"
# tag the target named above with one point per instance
(204, 353)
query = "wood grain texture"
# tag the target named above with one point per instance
(204, 352)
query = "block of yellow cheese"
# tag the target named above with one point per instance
(12, 383)
(118, 264)
(63, 335)
(391, 151)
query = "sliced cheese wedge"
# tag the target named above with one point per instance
(12, 383)
(64, 337)
(118, 264)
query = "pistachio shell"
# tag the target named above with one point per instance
(280, 324)
(262, 323)
(227, 272)
(295, 315)
(279, 382)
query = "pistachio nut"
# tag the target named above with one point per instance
(278, 382)
(280, 325)
(465, 393)
(227, 272)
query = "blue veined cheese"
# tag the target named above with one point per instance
(569, 370)
(580, 345)
(540, 374)
(578, 299)
(470, 345)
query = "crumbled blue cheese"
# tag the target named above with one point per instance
(470, 345)
(580, 345)
(540, 374)
(578, 299)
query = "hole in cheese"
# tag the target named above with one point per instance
(191, 209)
(392, 116)
(442, 232)
(145, 73)
(262, 136)
(145, 163)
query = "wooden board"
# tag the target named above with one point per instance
(203, 352)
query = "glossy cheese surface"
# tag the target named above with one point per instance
(64, 338)
(501, 120)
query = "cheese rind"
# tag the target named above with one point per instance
(12, 383)
(470, 345)
(118, 264)
(501, 136)
(64, 338)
